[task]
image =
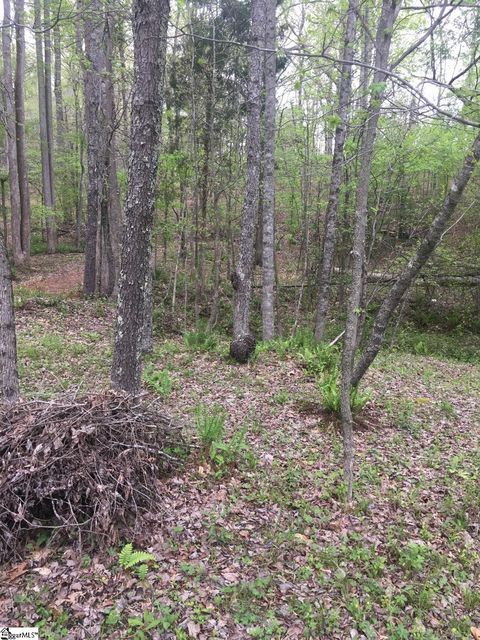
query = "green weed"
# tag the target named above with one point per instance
(158, 381)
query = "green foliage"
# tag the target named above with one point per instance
(460, 346)
(200, 340)
(330, 394)
(129, 558)
(210, 424)
(158, 381)
(222, 454)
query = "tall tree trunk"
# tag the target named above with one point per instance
(79, 137)
(415, 264)
(60, 167)
(9, 388)
(242, 277)
(331, 215)
(4, 205)
(20, 124)
(13, 177)
(149, 36)
(103, 199)
(383, 41)
(45, 131)
(95, 133)
(268, 228)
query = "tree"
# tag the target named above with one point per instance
(331, 214)
(20, 128)
(99, 272)
(416, 263)
(149, 36)
(243, 343)
(11, 131)
(268, 208)
(9, 388)
(383, 40)
(43, 54)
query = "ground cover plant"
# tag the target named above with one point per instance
(265, 548)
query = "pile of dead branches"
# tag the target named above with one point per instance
(82, 466)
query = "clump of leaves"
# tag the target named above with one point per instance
(158, 381)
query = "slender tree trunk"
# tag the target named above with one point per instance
(103, 231)
(383, 41)
(4, 206)
(57, 88)
(415, 264)
(45, 136)
(242, 277)
(79, 137)
(149, 35)
(331, 215)
(268, 253)
(20, 124)
(95, 134)
(13, 177)
(9, 387)
(51, 224)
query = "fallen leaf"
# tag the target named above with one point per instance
(193, 629)
(17, 571)
(475, 631)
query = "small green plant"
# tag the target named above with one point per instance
(158, 381)
(128, 558)
(330, 394)
(200, 340)
(413, 557)
(447, 408)
(281, 397)
(222, 453)
(210, 424)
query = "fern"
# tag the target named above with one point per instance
(129, 558)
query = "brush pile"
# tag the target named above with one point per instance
(82, 466)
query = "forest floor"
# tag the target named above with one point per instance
(267, 549)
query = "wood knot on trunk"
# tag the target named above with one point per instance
(242, 348)
(235, 280)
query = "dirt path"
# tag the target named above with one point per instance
(60, 274)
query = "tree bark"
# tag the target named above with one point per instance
(13, 177)
(9, 387)
(149, 34)
(383, 41)
(20, 128)
(242, 277)
(415, 264)
(268, 228)
(331, 215)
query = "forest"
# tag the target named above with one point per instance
(240, 319)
